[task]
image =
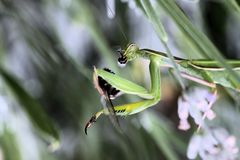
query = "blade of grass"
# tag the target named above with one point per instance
(155, 20)
(201, 42)
(139, 5)
(233, 5)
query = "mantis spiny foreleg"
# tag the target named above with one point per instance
(151, 98)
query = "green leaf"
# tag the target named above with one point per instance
(31, 106)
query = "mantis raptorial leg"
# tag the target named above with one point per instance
(205, 72)
(151, 98)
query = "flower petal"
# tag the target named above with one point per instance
(183, 125)
(183, 107)
(194, 146)
(210, 114)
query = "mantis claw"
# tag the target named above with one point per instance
(92, 120)
(89, 123)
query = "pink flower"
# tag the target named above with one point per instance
(183, 125)
(214, 143)
(197, 103)
(183, 113)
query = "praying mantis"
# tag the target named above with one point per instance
(205, 72)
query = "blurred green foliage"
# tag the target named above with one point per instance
(47, 51)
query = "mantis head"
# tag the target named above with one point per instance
(128, 55)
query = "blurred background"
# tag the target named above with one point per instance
(47, 53)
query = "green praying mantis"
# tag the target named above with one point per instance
(205, 72)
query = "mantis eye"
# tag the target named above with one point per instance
(121, 64)
(122, 60)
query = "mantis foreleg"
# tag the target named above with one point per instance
(132, 108)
